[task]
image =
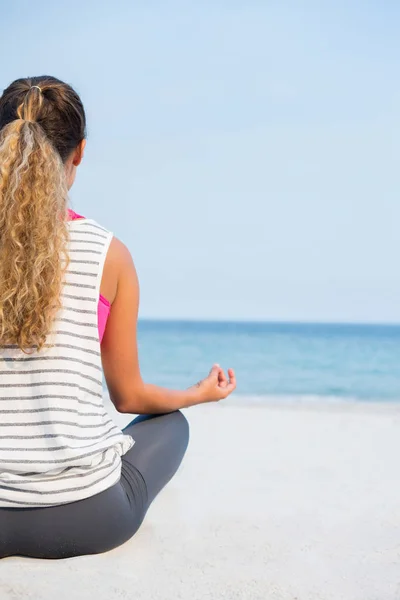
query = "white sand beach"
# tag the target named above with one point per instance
(277, 502)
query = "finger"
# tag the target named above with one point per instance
(232, 378)
(230, 386)
(214, 371)
(222, 379)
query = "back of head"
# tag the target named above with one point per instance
(42, 121)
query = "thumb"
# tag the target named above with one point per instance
(214, 370)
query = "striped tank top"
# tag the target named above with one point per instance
(58, 444)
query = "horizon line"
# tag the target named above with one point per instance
(270, 321)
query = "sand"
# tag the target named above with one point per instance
(276, 502)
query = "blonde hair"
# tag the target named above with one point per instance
(34, 234)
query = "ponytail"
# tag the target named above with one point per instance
(33, 229)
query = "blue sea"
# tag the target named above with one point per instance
(276, 360)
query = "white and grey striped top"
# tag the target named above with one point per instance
(57, 442)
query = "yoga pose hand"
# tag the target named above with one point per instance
(215, 386)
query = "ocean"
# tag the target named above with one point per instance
(276, 361)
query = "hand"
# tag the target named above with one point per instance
(215, 386)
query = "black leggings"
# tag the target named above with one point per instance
(106, 520)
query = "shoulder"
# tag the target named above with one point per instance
(120, 266)
(119, 254)
(119, 258)
(120, 262)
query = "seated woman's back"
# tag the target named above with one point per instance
(69, 298)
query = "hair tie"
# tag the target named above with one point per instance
(36, 86)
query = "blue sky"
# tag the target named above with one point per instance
(246, 152)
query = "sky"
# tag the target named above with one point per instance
(246, 152)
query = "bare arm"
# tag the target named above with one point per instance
(119, 354)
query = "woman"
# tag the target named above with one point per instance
(72, 482)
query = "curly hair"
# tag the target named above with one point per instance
(42, 121)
